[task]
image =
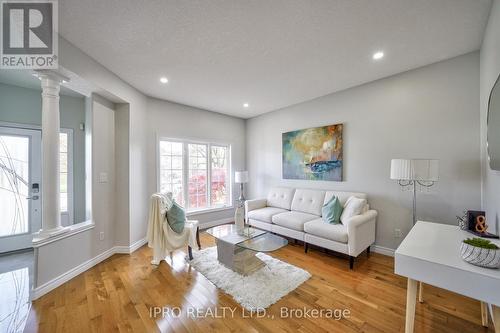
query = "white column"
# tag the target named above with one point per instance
(51, 214)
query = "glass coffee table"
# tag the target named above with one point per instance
(236, 247)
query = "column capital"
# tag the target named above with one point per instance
(51, 82)
(52, 75)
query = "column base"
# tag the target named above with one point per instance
(44, 234)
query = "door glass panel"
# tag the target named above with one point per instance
(14, 185)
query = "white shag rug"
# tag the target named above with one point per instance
(256, 291)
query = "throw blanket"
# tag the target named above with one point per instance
(166, 201)
(161, 238)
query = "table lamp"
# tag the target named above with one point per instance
(241, 177)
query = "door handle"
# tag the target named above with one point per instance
(35, 197)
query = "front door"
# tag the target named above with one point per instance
(20, 192)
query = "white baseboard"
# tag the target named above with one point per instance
(65, 277)
(132, 248)
(383, 250)
(137, 245)
(122, 249)
(211, 224)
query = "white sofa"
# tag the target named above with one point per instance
(296, 213)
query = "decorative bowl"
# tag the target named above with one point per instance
(489, 258)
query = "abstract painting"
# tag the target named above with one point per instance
(313, 153)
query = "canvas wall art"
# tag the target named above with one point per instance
(313, 153)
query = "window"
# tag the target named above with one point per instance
(219, 194)
(63, 170)
(66, 175)
(171, 169)
(197, 173)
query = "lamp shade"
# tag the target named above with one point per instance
(241, 176)
(415, 169)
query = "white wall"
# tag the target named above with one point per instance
(103, 162)
(122, 158)
(430, 112)
(166, 119)
(490, 69)
(138, 172)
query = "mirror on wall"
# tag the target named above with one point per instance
(494, 127)
(20, 154)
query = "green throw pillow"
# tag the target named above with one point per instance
(176, 218)
(332, 210)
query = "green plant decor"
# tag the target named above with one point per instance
(480, 242)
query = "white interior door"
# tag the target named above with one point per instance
(20, 192)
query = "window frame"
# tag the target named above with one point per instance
(185, 173)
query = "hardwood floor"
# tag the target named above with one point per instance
(119, 293)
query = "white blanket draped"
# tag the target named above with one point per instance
(161, 238)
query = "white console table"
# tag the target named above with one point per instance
(430, 254)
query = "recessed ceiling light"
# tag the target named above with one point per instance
(378, 55)
(246, 105)
(163, 80)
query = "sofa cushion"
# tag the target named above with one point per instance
(308, 201)
(293, 220)
(354, 206)
(265, 214)
(331, 211)
(280, 197)
(334, 232)
(343, 196)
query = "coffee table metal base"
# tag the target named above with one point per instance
(238, 259)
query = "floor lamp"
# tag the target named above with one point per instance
(410, 172)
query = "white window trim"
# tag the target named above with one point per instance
(185, 173)
(70, 212)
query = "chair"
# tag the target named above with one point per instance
(161, 238)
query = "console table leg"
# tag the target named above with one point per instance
(420, 292)
(496, 318)
(411, 300)
(484, 314)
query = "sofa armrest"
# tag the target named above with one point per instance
(255, 204)
(361, 232)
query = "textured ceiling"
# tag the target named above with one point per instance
(220, 54)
